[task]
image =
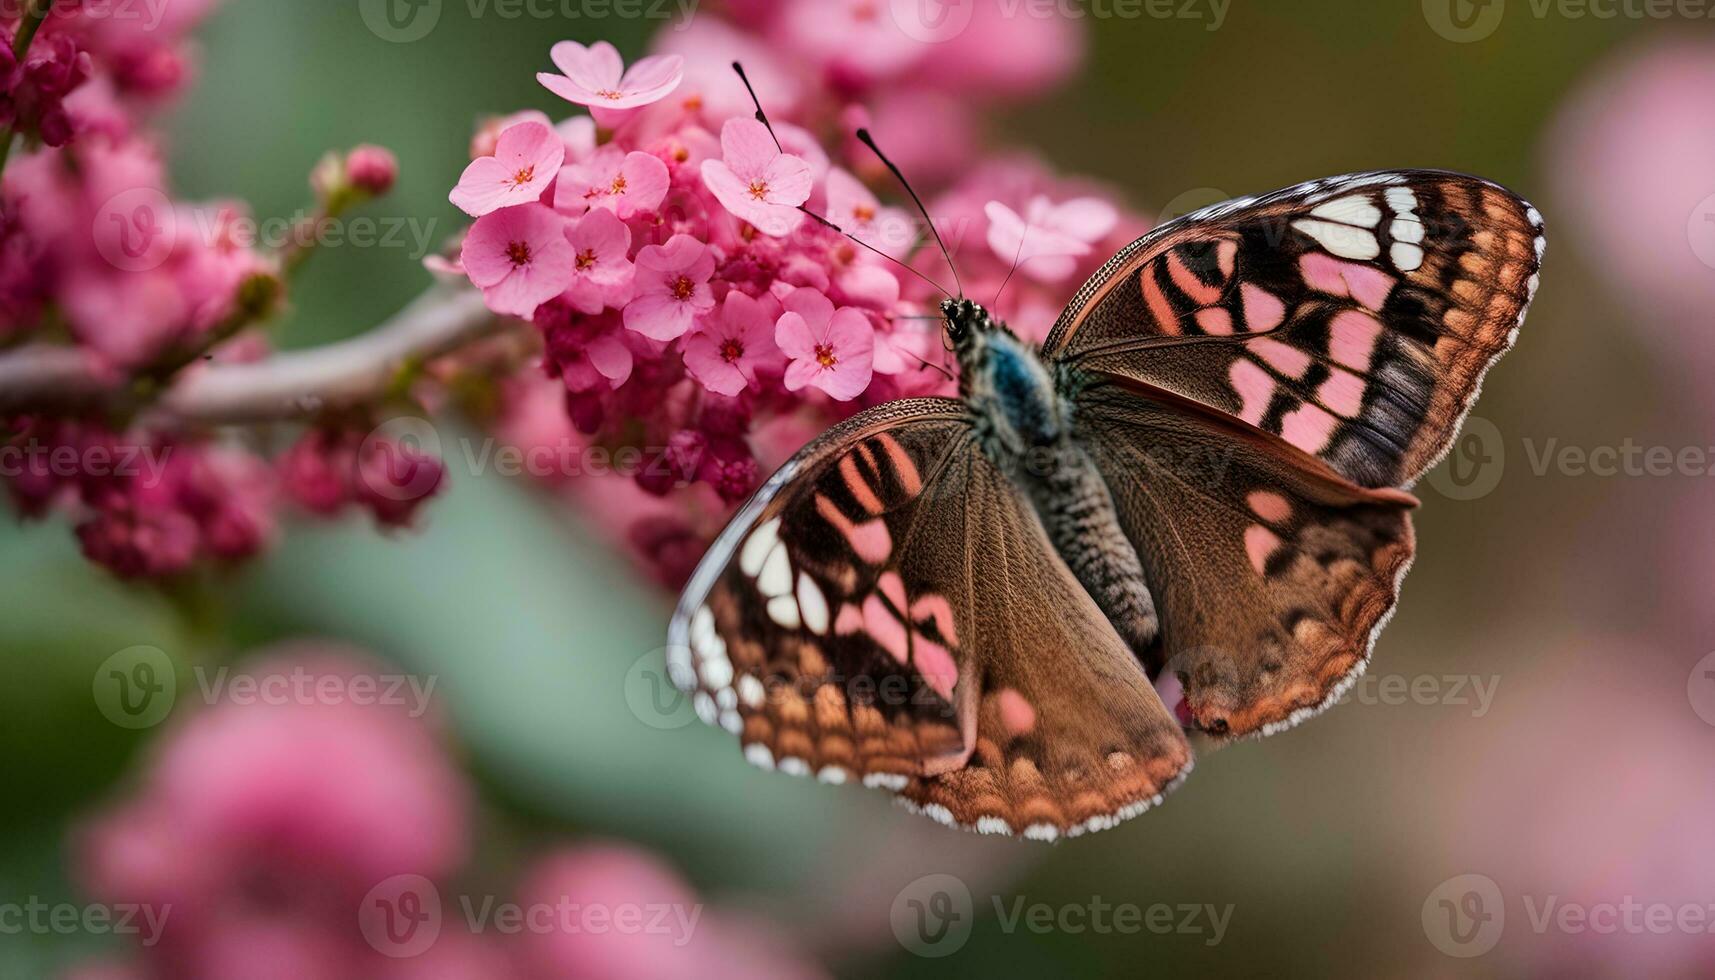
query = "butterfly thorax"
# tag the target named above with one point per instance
(1021, 410)
(1012, 394)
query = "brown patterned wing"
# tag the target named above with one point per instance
(889, 610)
(1272, 575)
(1354, 316)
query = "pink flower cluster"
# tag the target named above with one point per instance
(661, 247)
(148, 288)
(283, 836)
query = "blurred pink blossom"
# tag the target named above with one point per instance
(1632, 157)
(526, 160)
(596, 76)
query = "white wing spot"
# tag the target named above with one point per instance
(776, 577)
(1342, 240)
(757, 546)
(1406, 256)
(784, 610)
(812, 604)
(1353, 210)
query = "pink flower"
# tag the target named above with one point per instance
(690, 940)
(596, 76)
(672, 288)
(625, 183)
(372, 169)
(757, 182)
(860, 214)
(520, 258)
(601, 273)
(857, 41)
(725, 354)
(833, 351)
(586, 352)
(525, 162)
(1054, 235)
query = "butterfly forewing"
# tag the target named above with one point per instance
(890, 610)
(1354, 317)
(1271, 574)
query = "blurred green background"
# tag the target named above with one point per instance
(1325, 842)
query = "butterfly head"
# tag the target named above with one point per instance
(965, 322)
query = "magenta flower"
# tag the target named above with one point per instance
(588, 353)
(520, 258)
(756, 181)
(831, 350)
(1054, 235)
(596, 76)
(725, 354)
(525, 162)
(856, 210)
(601, 273)
(627, 184)
(672, 288)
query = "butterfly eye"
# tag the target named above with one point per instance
(954, 333)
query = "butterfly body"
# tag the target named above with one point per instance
(1182, 512)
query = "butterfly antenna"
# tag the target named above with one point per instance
(762, 117)
(1017, 258)
(869, 141)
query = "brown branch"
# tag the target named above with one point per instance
(292, 385)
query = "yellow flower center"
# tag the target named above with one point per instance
(586, 258)
(759, 189)
(524, 176)
(825, 356)
(610, 94)
(683, 287)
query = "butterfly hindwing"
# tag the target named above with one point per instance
(1272, 575)
(1353, 317)
(889, 609)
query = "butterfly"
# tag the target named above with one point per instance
(1185, 512)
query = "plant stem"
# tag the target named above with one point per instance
(34, 16)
